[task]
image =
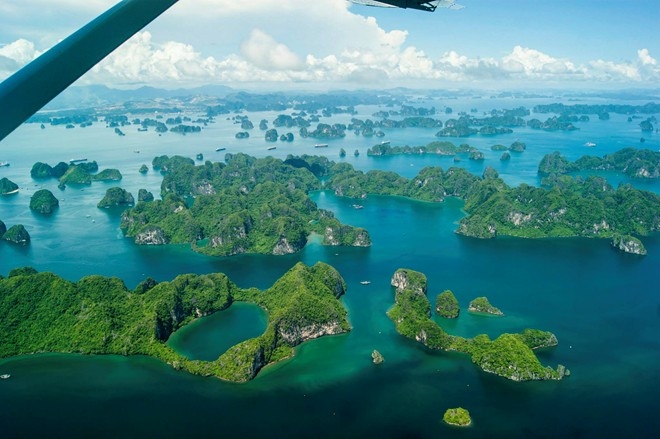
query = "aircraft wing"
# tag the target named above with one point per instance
(421, 5)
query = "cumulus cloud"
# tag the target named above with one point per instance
(15, 55)
(264, 52)
(239, 43)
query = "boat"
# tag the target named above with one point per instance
(358, 206)
(74, 161)
(365, 282)
(220, 149)
(590, 144)
(384, 143)
(4, 376)
(321, 145)
(3, 164)
(272, 148)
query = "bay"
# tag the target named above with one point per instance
(603, 306)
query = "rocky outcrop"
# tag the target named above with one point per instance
(7, 186)
(116, 196)
(377, 357)
(43, 201)
(151, 235)
(294, 335)
(628, 244)
(17, 235)
(284, 247)
(482, 305)
(405, 279)
(145, 196)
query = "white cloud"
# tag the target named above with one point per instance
(225, 41)
(15, 55)
(264, 52)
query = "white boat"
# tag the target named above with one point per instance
(358, 206)
(4, 376)
(220, 149)
(365, 282)
(3, 164)
(590, 144)
(321, 145)
(74, 161)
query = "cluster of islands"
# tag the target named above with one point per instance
(248, 205)
(309, 111)
(98, 315)
(262, 205)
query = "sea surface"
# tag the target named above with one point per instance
(604, 306)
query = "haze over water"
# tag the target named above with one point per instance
(603, 306)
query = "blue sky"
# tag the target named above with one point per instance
(333, 43)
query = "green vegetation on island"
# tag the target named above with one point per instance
(7, 186)
(41, 312)
(446, 305)
(628, 244)
(436, 147)
(482, 305)
(565, 207)
(635, 163)
(43, 201)
(459, 417)
(116, 196)
(74, 173)
(245, 205)
(509, 355)
(16, 234)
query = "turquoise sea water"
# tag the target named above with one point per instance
(603, 306)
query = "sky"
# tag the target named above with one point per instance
(331, 44)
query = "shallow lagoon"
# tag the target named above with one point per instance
(603, 306)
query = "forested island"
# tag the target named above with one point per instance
(41, 312)
(509, 355)
(245, 205)
(74, 173)
(250, 205)
(566, 207)
(635, 163)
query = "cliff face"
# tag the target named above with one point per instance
(294, 335)
(151, 236)
(404, 279)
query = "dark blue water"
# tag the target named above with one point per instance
(603, 306)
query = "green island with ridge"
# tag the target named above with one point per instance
(635, 163)
(250, 205)
(564, 207)
(245, 205)
(510, 355)
(42, 312)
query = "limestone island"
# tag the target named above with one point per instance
(628, 244)
(43, 201)
(510, 356)
(116, 196)
(564, 207)
(72, 317)
(17, 234)
(482, 305)
(7, 187)
(458, 417)
(245, 205)
(79, 172)
(377, 357)
(446, 305)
